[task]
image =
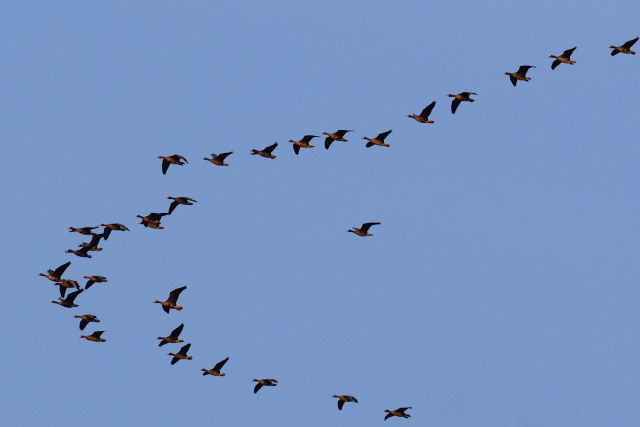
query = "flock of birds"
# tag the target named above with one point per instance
(153, 220)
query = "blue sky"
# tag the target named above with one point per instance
(501, 288)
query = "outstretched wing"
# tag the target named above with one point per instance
(220, 364)
(296, 148)
(60, 270)
(165, 166)
(83, 324)
(370, 144)
(389, 415)
(106, 232)
(95, 239)
(341, 132)
(257, 387)
(340, 404)
(514, 81)
(270, 148)
(567, 53)
(523, 69)
(427, 110)
(185, 348)
(172, 206)
(181, 157)
(630, 43)
(308, 138)
(403, 409)
(454, 105)
(63, 290)
(72, 296)
(554, 64)
(97, 334)
(614, 52)
(174, 294)
(327, 142)
(223, 156)
(365, 227)
(176, 332)
(383, 135)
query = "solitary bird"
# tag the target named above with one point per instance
(335, 136)
(172, 301)
(82, 252)
(625, 48)
(152, 220)
(108, 228)
(364, 230)
(218, 159)
(82, 230)
(85, 319)
(521, 74)
(95, 337)
(173, 336)
(66, 284)
(266, 152)
(423, 117)
(56, 275)
(458, 98)
(182, 354)
(565, 57)
(304, 143)
(93, 279)
(180, 201)
(344, 398)
(397, 413)
(175, 159)
(215, 371)
(378, 140)
(269, 382)
(68, 301)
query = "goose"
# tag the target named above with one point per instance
(304, 143)
(82, 252)
(266, 152)
(423, 117)
(335, 136)
(458, 98)
(182, 354)
(85, 319)
(95, 337)
(521, 74)
(378, 140)
(364, 230)
(218, 159)
(93, 279)
(269, 382)
(565, 57)
(82, 230)
(68, 301)
(625, 48)
(344, 398)
(172, 301)
(93, 244)
(108, 228)
(173, 336)
(152, 220)
(397, 413)
(215, 371)
(180, 201)
(66, 284)
(175, 159)
(56, 275)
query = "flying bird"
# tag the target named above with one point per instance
(175, 159)
(218, 159)
(93, 279)
(344, 398)
(180, 201)
(458, 98)
(172, 301)
(108, 228)
(182, 354)
(56, 275)
(95, 337)
(397, 413)
(85, 319)
(378, 140)
(266, 152)
(68, 301)
(423, 117)
(173, 336)
(215, 371)
(335, 136)
(625, 48)
(304, 143)
(82, 230)
(521, 74)
(565, 57)
(269, 382)
(364, 230)
(66, 284)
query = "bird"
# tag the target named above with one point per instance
(344, 398)
(378, 140)
(364, 230)
(93, 244)
(95, 337)
(270, 382)
(218, 159)
(182, 354)
(93, 279)
(152, 220)
(68, 301)
(82, 252)
(108, 228)
(335, 136)
(565, 57)
(173, 336)
(625, 48)
(266, 152)
(172, 301)
(180, 201)
(423, 117)
(397, 413)
(304, 143)
(215, 371)
(56, 275)
(175, 159)
(66, 284)
(85, 319)
(458, 98)
(82, 230)
(521, 74)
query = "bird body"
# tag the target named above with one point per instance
(85, 319)
(95, 337)
(56, 275)
(180, 201)
(93, 279)
(175, 159)
(458, 98)
(564, 58)
(397, 413)
(266, 152)
(344, 398)
(173, 336)
(152, 220)
(335, 136)
(625, 48)
(82, 252)
(269, 382)
(423, 117)
(215, 371)
(304, 143)
(218, 159)
(108, 228)
(68, 302)
(182, 354)
(172, 301)
(521, 74)
(378, 140)
(363, 231)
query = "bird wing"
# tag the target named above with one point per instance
(83, 324)
(257, 387)
(176, 332)
(567, 53)
(340, 404)
(165, 308)
(72, 296)
(174, 360)
(106, 232)
(165, 166)
(389, 415)
(270, 148)
(63, 290)
(554, 64)
(403, 409)
(89, 283)
(370, 144)
(155, 216)
(174, 294)
(614, 52)
(220, 364)
(342, 132)
(308, 138)
(365, 227)
(95, 239)
(427, 110)
(60, 270)
(454, 105)
(523, 69)
(296, 148)
(514, 81)
(223, 156)
(383, 135)
(181, 157)
(327, 142)
(163, 342)
(97, 334)
(630, 43)
(172, 206)
(185, 348)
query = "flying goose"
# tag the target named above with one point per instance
(93, 244)
(95, 337)
(397, 413)
(378, 140)
(82, 230)
(56, 275)
(180, 201)
(173, 336)
(335, 136)
(93, 279)
(182, 354)
(68, 301)
(175, 159)
(152, 220)
(344, 398)
(521, 74)
(172, 301)
(364, 230)
(625, 48)
(215, 371)
(304, 143)
(108, 228)
(66, 284)
(85, 319)
(82, 252)
(270, 382)
(423, 117)
(458, 98)
(565, 57)
(218, 159)
(266, 152)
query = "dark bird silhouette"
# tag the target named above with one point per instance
(175, 159)
(625, 48)
(172, 301)
(180, 201)
(152, 220)
(66, 284)
(82, 230)
(56, 275)
(364, 230)
(173, 336)
(108, 228)
(335, 136)
(304, 143)
(397, 413)
(266, 152)
(218, 159)
(215, 371)
(93, 279)
(82, 252)
(344, 398)
(85, 319)
(378, 140)
(93, 244)
(565, 57)
(182, 354)
(269, 382)
(521, 74)
(95, 337)
(68, 301)
(458, 98)
(423, 117)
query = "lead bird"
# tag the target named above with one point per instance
(182, 354)
(378, 140)
(344, 398)
(564, 58)
(266, 152)
(180, 201)
(521, 74)
(423, 117)
(173, 336)
(172, 301)
(397, 413)
(175, 159)
(304, 143)
(335, 136)
(625, 48)
(458, 98)
(215, 371)
(363, 231)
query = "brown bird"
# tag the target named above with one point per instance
(344, 398)
(93, 244)
(378, 140)
(56, 275)
(108, 228)
(152, 220)
(625, 48)
(82, 230)
(565, 57)
(269, 382)
(266, 152)
(175, 159)
(423, 117)
(397, 413)
(218, 159)
(68, 301)
(180, 201)
(95, 337)
(66, 284)
(172, 301)
(85, 319)
(521, 74)
(458, 98)
(93, 279)
(304, 143)
(335, 136)
(173, 336)
(364, 230)
(215, 371)
(82, 252)
(182, 354)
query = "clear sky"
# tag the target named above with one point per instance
(501, 288)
